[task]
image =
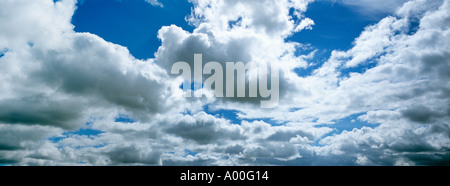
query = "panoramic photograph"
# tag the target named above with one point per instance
(224, 83)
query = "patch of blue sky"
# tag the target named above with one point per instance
(194, 85)
(86, 131)
(233, 116)
(305, 72)
(414, 25)
(190, 153)
(3, 52)
(82, 163)
(352, 122)
(360, 69)
(131, 23)
(235, 23)
(336, 27)
(122, 118)
(30, 44)
(295, 109)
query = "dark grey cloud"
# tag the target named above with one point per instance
(206, 130)
(106, 73)
(8, 161)
(286, 135)
(234, 149)
(422, 114)
(134, 155)
(41, 110)
(4, 147)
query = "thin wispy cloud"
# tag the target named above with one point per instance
(155, 3)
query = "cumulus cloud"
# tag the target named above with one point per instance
(406, 94)
(52, 76)
(55, 81)
(239, 31)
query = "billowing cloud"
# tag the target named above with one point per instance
(401, 93)
(52, 76)
(73, 98)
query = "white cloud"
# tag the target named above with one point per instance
(54, 80)
(374, 7)
(406, 90)
(52, 76)
(238, 31)
(406, 87)
(155, 3)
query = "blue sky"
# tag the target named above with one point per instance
(130, 23)
(135, 23)
(88, 82)
(337, 26)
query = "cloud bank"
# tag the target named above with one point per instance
(73, 98)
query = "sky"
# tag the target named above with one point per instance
(88, 82)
